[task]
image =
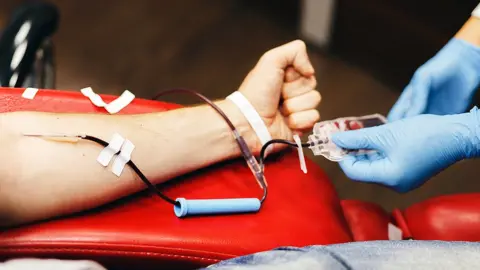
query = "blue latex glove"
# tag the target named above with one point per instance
(411, 150)
(443, 85)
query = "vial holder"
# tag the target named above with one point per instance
(321, 138)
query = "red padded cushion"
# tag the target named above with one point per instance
(367, 221)
(449, 217)
(300, 210)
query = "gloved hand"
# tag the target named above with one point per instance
(443, 85)
(411, 150)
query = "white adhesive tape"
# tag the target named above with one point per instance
(301, 157)
(394, 233)
(94, 98)
(108, 152)
(29, 93)
(121, 102)
(113, 107)
(123, 158)
(252, 117)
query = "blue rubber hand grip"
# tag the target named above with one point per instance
(215, 206)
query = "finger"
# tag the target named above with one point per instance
(303, 120)
(291, 54)
(304, 102)
(365, 138)
(364, 169)
(291, 75)
(298, 87)
(420, 86)
(401, 106)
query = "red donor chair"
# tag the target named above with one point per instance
(142, 231)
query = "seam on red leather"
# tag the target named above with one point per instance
(401, 222)
(109, 252)
(346, 219)
(103, 246)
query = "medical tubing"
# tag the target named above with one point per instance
(262, 156)
(184, 207)
(136, 170)
(280, 141)
(244, 149)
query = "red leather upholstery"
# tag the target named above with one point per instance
(449, 217)
(142, 231)
(367, 221)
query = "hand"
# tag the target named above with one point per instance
(411, 150)
(284, 74)
(444, 85)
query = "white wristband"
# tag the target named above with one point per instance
(251, 115)
(476, 12)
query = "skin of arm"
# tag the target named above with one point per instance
(470, 31)
(41, 178)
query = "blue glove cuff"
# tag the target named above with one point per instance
(473, 121)
(467, 52)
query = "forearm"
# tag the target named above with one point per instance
(42, 178)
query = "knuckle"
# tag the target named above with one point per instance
(316, 97)
(313, 82)
(268, 55)
(420, 74)
(352, 174)
(287, 107)
(292, 121)
(300, 43)
(315, 116)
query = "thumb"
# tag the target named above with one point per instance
(413, 100)
(365, 168)
(420, 91)
(356, 139)
(401, 106)
(291, 54)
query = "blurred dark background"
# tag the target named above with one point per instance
(364, 53)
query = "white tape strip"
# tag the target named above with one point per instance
(301, 157)
(123, 158)
(121, 102)
(394, 233)
(113, 107)
(29, 93)
(252, 117)
(94, 98)
(108, 152)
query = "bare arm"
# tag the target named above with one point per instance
(470, 31)
(42, 178)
